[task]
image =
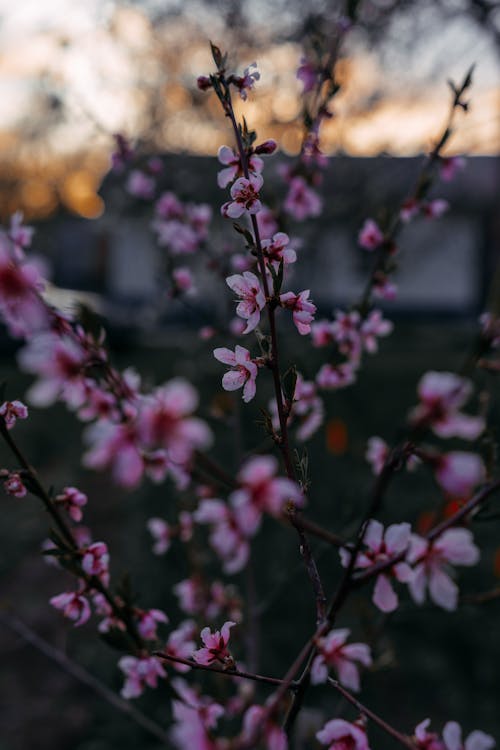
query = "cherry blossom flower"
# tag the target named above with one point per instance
(147, 622)
(245, 195)
(194, 716)
(139, 673)
(459, 473)
(261, 491)
(74, 606)
(380, 547)
(13, 483)
(441, 396)
(432, 561)
(95, 561)
(308, 407)
(451, 738)
(376, 454)
(228, 537)
(334, 652)
(301, 201)
(266, 222)
(333, 377)
(115, 446)
(322, 333)
(141, 185)
(21, 306)
(233, 169)
(243, 374)
(215, 646)
(11, 411)
(449, 166)
(181, 645)
(20, 234)
(183, 280)
(73, 501)
(257, 722)
(435, 209)
(373, 326)
(383, 288)
(370, 236)
(276, 250)
(247, 81)
(339, 734)
(303, 310)
(247, 286)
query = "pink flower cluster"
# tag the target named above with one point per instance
(343, 658)
(181, 227)
(442, 394)
(451, 738)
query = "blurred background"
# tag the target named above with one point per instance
(73, 74)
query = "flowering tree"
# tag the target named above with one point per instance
(139, 432)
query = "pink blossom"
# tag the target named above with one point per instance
(74, 606)
(11, 411)
(333, 377)
(431, 561)
(21, 306)
(232, 162)
(183, 279)
(301, 201)
(370, 236)
(247, 81)
(308, 407)
(322, 333)
(372, 327)
(261, 491)
(379, 548)
(247, 286)
(435, 209)
(426, 740)
(441, 396)
(449, 166)
(140, 672)
(73, 501)
(141, 185)
(228, 537)
(339, 734)
(303, 310)
(333, 652)
(258, 723)
(243, 374)
(215, 646)
(194, 716)
(245, 195)
(383, 288)
(180, 644)
(276, 250)
(409, 209)
(459, 473)
(162, 534)
(266, 222)
(20, 234)
(147, 621)
(376, 454)
(95, 561)
(477, 740)
(115, 446)
(346, 331)
(13, 483)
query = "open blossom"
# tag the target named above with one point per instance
(181, 645)
(140, 672)
(308, 407)
(163, 533)
(95, 561)
(261, 491)
(334, 652)
(459, 473)
(194, 716)
(13, 483)
(370, 236)
(243, 374)
(115, 446)
(73, 501)
(215, 646)
(233, 169)
(147, 621)
(322, 333)
(442, 394)
(373, 326)
(257, 722)
(376, 454)
(276, 250)
(247, 81)
(183, 280)
(303, 310)
(302, 201)
(432, 561)
(21, 306)
(451, 738)
(380, 547)
(435, 209)
(339, 734)
(73, 605)
(333, 377)
(247, 286)
(20, 234)
(245, 195)
(11, 411)
(228, 536)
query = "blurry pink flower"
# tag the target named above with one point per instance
(333, 652)
(477, 740)
(380, 547)
(426, 740)
(266, 222)
(449, 166)
(245, 195)
(141, 185)
(181, 645)
(459, 473)
(301, 201)
(74, 606)
(228, 537)
(376, 453)
(258, 723)
(308, 407)
(247, 81)
(339, 734)
(140, 672)
(20, 234)
(431, 561)
(441, 396)
(371, 236)
(161, 532)
(13, 484)
(243, 374)
(409, 209)
(21, 306)
(95, 561)
(11, 411)
(333, 377)
(435, 209)
(232, 162)
(373, 326)
(194, 716)
(247, 286)
(122, 154)
(384, 289)
(215, 646)
(115, 446)
(147, 621)
(322, 333)
(303, 310)
(73, 501)
(183, 279)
